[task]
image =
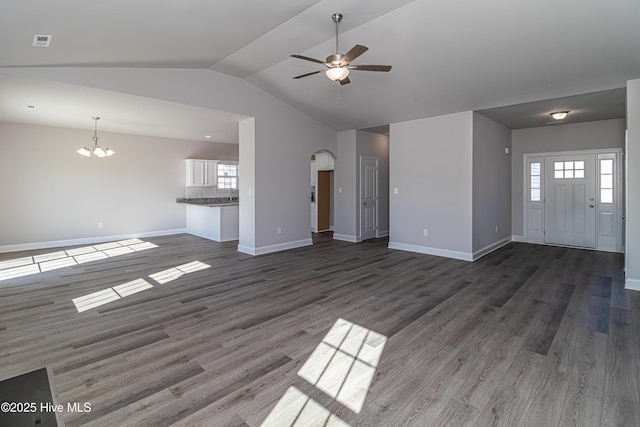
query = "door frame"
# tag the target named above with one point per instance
(361, 198)
(618, 195)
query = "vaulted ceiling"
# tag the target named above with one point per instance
(447, 56)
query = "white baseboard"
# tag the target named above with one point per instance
(515, 238)
(465, 256)
(274, 248)
(87, 240)
(632, 284)
(346, 238)
(490, 248)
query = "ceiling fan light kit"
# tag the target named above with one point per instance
(338, 65)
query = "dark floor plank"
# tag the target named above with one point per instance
(222, 345)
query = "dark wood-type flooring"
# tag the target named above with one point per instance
(527, 335)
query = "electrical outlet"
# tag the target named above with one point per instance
(425, 232)
(100, 225)
(279, 230)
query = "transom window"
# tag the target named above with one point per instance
(535, 182)
(606, 181)
(568, 170)
(227, 176)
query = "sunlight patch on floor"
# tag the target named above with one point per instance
(25, 266)
(176, 272)
(344, 363)
(105, 296)
(342, 366)
(297, 409)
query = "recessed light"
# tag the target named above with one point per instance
(31, 107)
(208, 136)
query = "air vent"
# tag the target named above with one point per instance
(40, 40)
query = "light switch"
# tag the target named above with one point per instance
(395, 190)
(339, 189)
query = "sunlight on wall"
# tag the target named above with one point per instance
(104, 296)
(25, 266)
(342, 366)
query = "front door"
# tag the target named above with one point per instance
(368, 197)
(570, 192)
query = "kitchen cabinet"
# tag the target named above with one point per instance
(324, 161)
(219, 223)
(201, 173)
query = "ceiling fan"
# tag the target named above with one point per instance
(338, 65)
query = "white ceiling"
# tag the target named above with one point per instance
(447, 57)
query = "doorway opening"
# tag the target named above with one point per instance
(322, 170)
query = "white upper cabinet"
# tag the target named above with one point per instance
(201, 173)
(324, 161)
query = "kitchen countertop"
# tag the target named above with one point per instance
(209, 201)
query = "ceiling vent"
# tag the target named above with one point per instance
(40, 40)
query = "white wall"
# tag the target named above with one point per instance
(569, 137)
(491, 185)
(430, 163)
(52, 195)
(345, 176)
(632, 249)
(246, 215)
(285, 138)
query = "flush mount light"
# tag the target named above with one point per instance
(559, 115)
(95, 148)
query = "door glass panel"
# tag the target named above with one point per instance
(534, 185)
(569, 169)
(606, 195)
(606, 181)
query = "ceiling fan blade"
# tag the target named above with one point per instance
(306, 58)
(355, 51)
(345, 81)
(370, 67)
(307, 74)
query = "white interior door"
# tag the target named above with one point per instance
(368, 197)
(570, 193)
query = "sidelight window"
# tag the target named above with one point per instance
(534, 184)
(606, 181)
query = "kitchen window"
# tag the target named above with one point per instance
(227, 176)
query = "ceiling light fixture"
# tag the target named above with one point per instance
(337, 73)
(559, 115)
(95, 148)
